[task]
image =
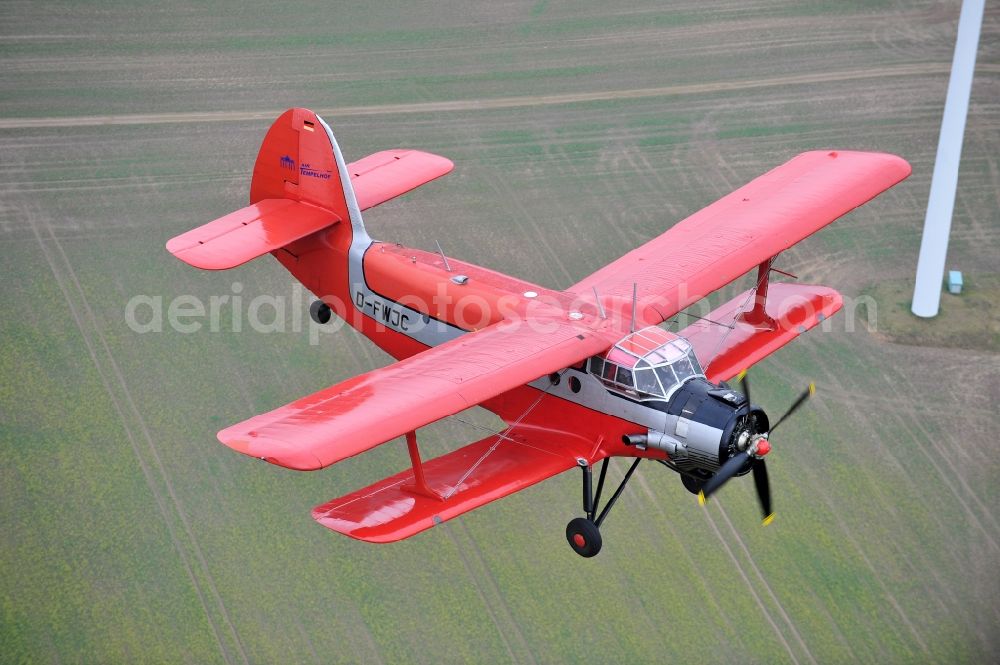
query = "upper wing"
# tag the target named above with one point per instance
(387, 174)
(743, 229)
(361, 413)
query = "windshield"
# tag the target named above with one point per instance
(683, 368)
(653, 372)
(646, 382)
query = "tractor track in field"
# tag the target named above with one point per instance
(899, 404)
(767, 587)
(656, 502)
(753, 591)
(849, 398)
(147, 473)
(498, 103)
(565, 163)
(912, 422)
(803, 29)
(479, 592)
(907, 556)
(495, 590)
(145, 466)
(499, 184)
(304, 636)
(875, 575)
(906, 423)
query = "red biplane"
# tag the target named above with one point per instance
(579, 376)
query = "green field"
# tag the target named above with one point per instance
(578, 130)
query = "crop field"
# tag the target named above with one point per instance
(579, 131)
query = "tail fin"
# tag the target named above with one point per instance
(300, 185)
(300, 160)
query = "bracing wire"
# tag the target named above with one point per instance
(501, 437)
(737, 313)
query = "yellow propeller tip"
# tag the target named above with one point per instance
(742, 373)
(812, 388)
(768, 519)
(701, 498)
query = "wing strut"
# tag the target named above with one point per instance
(757, 316)
(419, 484)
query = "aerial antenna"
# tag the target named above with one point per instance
(447, 266)
(702, 318)
(635, 295)
(600, 305)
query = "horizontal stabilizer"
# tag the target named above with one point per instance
(299, 188)
(465, 479)
(250, 232)
(791, 310)
(390, 173)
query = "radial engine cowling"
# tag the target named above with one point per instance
(705, 426)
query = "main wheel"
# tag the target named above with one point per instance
(583, 536)
(320, 312)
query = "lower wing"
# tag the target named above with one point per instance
(728, 340)
(492, 468)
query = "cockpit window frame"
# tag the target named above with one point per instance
(668, 380)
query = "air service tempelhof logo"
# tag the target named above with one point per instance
(286, 162)
(309, 172)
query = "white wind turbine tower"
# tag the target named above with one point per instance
(941, 204)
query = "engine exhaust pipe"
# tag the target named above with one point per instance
(638, 440)
(657, 441)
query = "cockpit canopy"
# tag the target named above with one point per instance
(648, 364)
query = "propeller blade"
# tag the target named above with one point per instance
(763, 486)
(758, 467)
(728, 470)
(744, 384)
(809, 392)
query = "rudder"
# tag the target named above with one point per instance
(300, 160)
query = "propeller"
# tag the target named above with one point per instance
(806, 394)
(755, 452)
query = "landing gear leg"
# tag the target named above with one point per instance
(583, 533)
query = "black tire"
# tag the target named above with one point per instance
(692, 484)
(320, 312)
(583, 536)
